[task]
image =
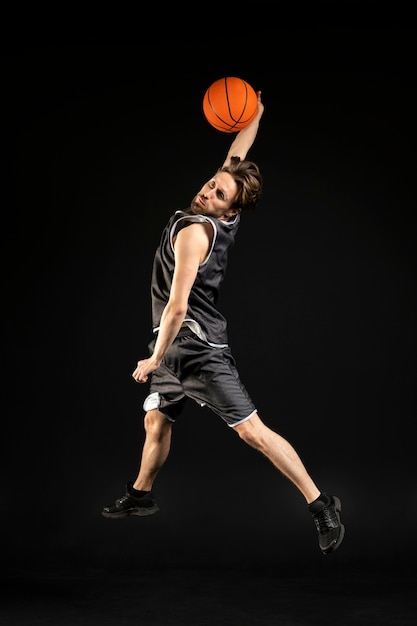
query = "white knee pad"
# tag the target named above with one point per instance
(152, 402)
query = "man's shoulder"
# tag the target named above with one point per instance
(193, 223)
(184, 218)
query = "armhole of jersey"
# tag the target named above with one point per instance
(214, 225)
(200, 218)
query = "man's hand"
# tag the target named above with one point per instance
(144, 368)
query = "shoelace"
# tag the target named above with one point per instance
(123, 499)
(326, 519)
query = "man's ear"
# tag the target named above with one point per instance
(234, 211)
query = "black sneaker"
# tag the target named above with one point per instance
(131, 505)
(329, 527)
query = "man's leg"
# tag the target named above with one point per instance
(155, 449)
(281, 454)
(139, 498)
(325, 509)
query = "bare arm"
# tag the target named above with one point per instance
(191, 248)
(245, 138)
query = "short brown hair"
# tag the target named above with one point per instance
(249, 182)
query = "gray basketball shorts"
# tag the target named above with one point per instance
(192, 369)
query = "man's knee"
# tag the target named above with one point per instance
(156, 423)
(250, 431)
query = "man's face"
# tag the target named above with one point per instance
(216, 197)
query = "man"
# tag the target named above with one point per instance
(190, 357)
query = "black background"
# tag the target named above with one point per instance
(102, 142)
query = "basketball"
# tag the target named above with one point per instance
(230, 104)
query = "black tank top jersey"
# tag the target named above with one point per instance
(202, 317)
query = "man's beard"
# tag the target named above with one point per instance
(196, 207)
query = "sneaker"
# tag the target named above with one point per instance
(131, 505)
(329, 527)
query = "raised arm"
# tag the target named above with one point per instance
(245, 138)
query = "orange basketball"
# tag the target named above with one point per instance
(230, 104)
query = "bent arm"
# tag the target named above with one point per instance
(191, 248)
(245, 138)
